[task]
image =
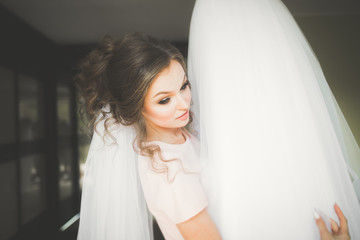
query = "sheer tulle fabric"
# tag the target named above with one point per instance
(274, 142)
(112, 205)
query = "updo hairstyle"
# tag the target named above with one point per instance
(117, 75)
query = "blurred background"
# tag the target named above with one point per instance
(43, 141)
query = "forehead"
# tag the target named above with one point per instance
(168, 79)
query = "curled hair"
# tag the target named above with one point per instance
(115, 77)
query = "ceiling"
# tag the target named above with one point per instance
(86, 21)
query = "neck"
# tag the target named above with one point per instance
(173, 136)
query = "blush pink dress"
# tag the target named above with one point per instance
(178, 195)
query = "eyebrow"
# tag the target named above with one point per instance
(167, 92)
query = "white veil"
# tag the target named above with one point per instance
(274, 142)
(113, 206)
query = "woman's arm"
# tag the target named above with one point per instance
(199, 227)
(202, 227)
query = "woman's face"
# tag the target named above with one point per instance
(168, 99)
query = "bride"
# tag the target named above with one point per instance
(272, 136)
(274, 143)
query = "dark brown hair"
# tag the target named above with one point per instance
(118, 74)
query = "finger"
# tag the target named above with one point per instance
(334, 226)
(342, 219)
(321, 225)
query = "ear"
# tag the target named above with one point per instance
(144, 114)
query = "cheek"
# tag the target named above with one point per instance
(161, 113)
(187, 96)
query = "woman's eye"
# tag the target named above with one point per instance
(164, 101)
(185, 85)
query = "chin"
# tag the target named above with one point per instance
(185, 123)
(174, 125)
(178, 125)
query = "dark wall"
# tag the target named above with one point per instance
(35, 155)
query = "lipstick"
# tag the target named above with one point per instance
(184, 116)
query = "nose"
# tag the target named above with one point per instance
(182, 102)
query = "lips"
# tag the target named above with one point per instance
(183, 114)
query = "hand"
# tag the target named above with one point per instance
(337, 232)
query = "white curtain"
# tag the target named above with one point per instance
(275, 144)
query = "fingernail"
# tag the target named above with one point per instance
(316, 214)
